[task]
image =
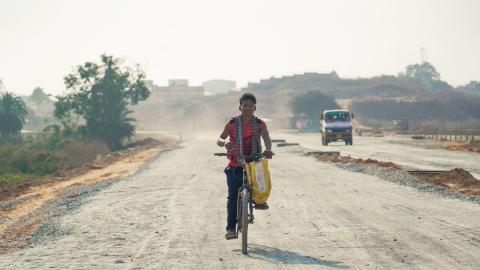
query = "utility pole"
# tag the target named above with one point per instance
(423, 55)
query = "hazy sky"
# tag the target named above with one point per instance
(41, 41)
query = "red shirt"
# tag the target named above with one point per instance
(247, 140)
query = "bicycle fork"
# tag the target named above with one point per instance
(239, 208)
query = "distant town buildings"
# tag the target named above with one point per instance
(177, 90)
(215, 87)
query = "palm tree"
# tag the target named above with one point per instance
(13, 114)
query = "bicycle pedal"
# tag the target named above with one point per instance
(233, 237)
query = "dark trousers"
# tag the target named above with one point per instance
(234, 182)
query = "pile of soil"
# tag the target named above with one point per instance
(456, 179)
(385, 164)
(334, 158)
(348, 159)
(472, 146)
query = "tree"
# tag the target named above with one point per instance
(101, 94)
(473, 87)
(312, 104)
(13, 113)
(427, 76)
(423, 72)
(38, 95)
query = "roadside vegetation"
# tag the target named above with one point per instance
(13, 113)
(92, 118)
(309, 106)
(51, 151)
(101, 94)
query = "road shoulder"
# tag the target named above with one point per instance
(23, 214)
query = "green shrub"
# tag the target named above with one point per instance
(14, 178)
(21, 165)
(45, 154)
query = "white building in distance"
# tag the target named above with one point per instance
(215, 87)
(177, 90)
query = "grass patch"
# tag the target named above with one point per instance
(23, 160)
(14, 178)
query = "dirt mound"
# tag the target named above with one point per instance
(472, 146)
(456, 179)
(13, 190)
(334, 158)
(385, 164)
(349, 159)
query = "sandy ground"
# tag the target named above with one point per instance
(171, 215)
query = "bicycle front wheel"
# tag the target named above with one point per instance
(244, 221)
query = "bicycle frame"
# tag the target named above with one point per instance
(244, 190)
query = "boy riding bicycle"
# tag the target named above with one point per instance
(244, 132)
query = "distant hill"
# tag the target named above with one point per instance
(451, 107)
(332, 84)
(374, 100)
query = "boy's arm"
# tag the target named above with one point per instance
(223, 136)
(266, 139)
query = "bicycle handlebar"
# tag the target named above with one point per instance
(223, 154)
(247, 159)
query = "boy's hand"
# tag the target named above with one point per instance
(268, 154)
(229, 146)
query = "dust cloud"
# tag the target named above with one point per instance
(209, 113)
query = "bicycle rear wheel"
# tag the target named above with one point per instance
(244, 221)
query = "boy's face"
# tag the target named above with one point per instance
(247, 108)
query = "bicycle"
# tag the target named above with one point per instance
(244, 203)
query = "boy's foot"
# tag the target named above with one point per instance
(231, 234)
(263, 206)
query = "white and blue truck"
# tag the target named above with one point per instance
(336, 125)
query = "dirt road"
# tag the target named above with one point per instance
(171, 215)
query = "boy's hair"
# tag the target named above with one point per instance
(248, 96)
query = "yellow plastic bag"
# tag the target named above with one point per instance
(259, 178)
